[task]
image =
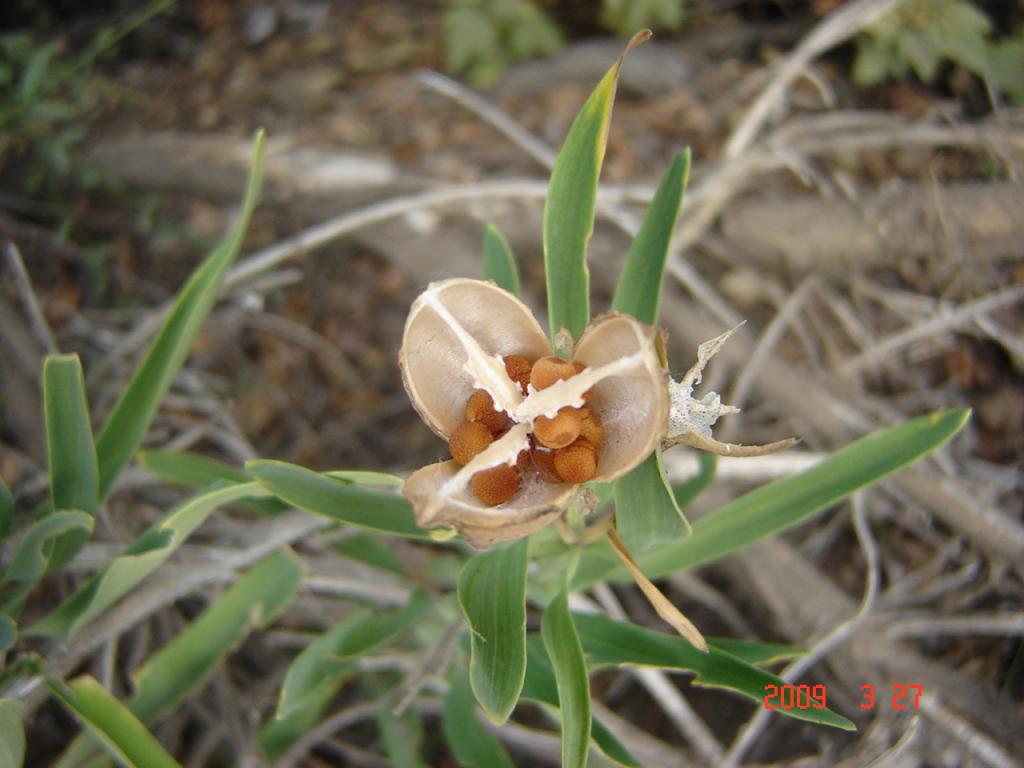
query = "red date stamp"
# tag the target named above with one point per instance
(901, 697)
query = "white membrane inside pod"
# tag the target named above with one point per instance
(455, 336)
(632, 402)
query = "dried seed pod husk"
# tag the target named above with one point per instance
(455, 337)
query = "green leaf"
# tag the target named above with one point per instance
(686, 493)
(499, 261)
(130, 418)
(137, 561)
(193, 470)
(471, 743)
(612, 643)
(638, 292)
(321, 667)
(325, 494)
(784, 503)
(570, 204)
(74, 479)
(120, 731)
(563, 648)
(755, 652)
(372, 549)
(646, 512)
(402, 736)
(540, 686)
(6, 510)
(187, 661)
(30, 560)
(12, 733)
(492, 594)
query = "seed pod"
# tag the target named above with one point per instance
(518, 368)
(580, 368)
(480, 407)
(591, 427)
(550, 369)
(576, 463)
(559, 431)
(469, 439)
(495, 485)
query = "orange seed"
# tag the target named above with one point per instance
(495, 485)
(480, 407)
(469, 439)
(548, 370)
(576, 463)
(518, 369)
(591, 427)
(559, 431)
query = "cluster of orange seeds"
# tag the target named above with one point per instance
(563, 448)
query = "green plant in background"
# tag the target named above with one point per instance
(922, 34)
(482, 617)
(483, 37)
(49, 97)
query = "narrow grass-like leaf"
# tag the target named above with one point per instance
(646, 512)
(784, 503)
(607, 642)
(638, 292)
(6, 510)
(131, 416)
(755, 652)
(492, 594)
(471, 743)
(322, 665)
(402, 736)
(687, 492)
(71, 454)
(563, 647)
(372, 549)
(193, 470)
(30, 559)
(137, 561)
(334, 498)
(12, 733)
(570, 204)
(499, 261)
(119, 730)
(187, 661)
(540, 687)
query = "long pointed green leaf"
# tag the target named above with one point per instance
(607, 642)
(325, 662)
(331, 497)
(137, 561)
(120, 731)
(688, 491)
(563, 647)
(499, 261)
(402, 736)
(646, 512)
(570, 204)
(12, 733)
(755, 652)
(492, 594)
(187, 661)
(131, 416)
(638, 292)
(471, 743)
(74, 478)
(784, 503)
(540, 687)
